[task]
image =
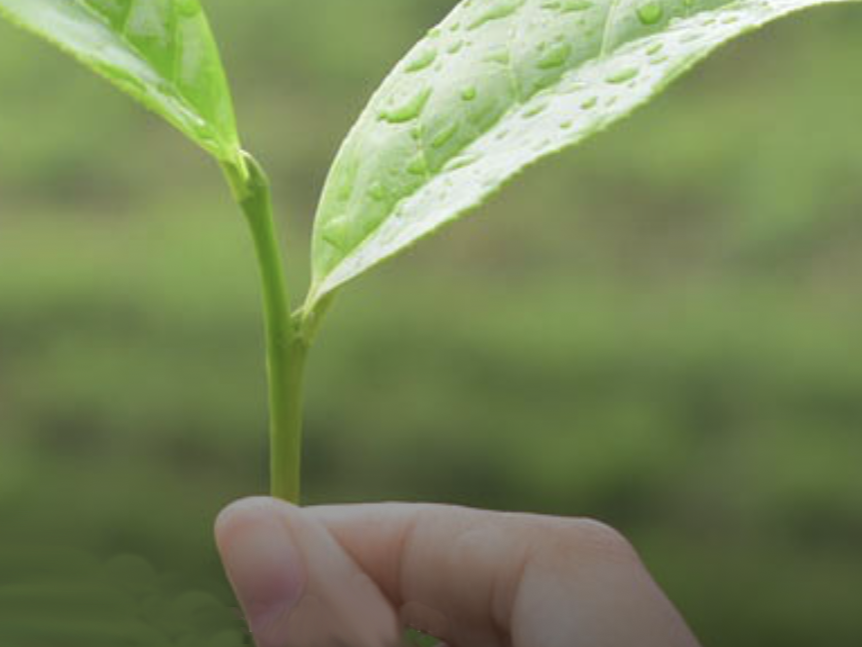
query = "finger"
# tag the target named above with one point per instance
(481, 579)
(296, 584)
(447, 570)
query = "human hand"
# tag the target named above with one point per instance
(355, 576)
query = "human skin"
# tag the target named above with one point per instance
(355, 576)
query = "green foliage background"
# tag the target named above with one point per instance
(660, 329)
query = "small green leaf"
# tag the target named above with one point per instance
(496, 86)
(161, 52)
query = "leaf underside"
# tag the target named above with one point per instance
(161, 52)
(498, 85)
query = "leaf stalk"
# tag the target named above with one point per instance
(286, 346)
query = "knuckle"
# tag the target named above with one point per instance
(598, 541)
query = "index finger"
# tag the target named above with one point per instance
(480, 578)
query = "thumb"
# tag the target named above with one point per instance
(297, 586)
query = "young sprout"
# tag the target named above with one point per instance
(496, 86)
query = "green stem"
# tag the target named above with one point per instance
(285, 347)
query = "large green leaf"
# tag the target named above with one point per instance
(161, 52)
(496, 86)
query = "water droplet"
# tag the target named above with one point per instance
(468, 94)
(500, 56)
(418, 165)
(623, 75)
(377, 191)
(590, 103)
(544, 81)
(571, 6)
(555, 56)
(499, 9)
(455, 47)
(535, 110)
(407, 110)
(444, 136)
(422, 60)
(572, 87)
(346, 182)
(566, 125)
(462, 161)
(650, 13)
(654, 49)
(335, 232)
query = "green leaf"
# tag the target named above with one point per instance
(496, 86)
(161, 52)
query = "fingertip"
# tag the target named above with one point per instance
(262, 561)
(248, 511)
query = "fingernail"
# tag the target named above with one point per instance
(264, 568)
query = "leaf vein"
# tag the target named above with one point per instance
(123, 35)
(608, 27)
(124, 23)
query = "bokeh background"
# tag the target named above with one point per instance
(659, 329)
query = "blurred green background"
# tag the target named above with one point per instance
(659, 329)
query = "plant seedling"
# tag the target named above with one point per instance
(496, 86)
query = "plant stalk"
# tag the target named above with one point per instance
(286, 349)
